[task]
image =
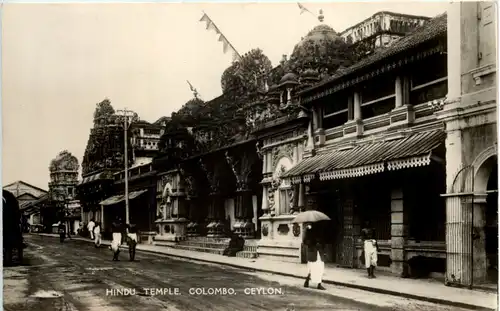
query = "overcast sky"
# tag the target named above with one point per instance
(59, 60)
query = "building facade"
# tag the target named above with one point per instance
(349, 125)
(470, 118)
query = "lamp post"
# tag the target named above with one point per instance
(126, 114)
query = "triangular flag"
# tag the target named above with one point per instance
(302, 8)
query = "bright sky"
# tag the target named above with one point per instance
(59, 60)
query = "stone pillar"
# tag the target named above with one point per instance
(354, 127)
(265, 206)
(403, 113)
(295, 208)
(454, 50)
(399, 92)
(480, 260)
(301, 201)
(216, 216)
(193, 227)
(357, 106)
(102, 218)
(398, 233)
(244, 214)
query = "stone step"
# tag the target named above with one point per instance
(250, 248)
(289, 251)
(248, 255)
(199, 249)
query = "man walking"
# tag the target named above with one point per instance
(370, 248)
(315, 256)
(90, 227)
(131, 240)
(97, 234)
(116, 229)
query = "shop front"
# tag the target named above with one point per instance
(394, 183)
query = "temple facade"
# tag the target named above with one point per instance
(349, 125)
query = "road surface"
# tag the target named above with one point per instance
(76, 276)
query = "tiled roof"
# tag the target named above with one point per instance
(411, 146)
(432, 29)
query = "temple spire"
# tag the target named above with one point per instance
(321, 17)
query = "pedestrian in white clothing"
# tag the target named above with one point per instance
(370, 249)
(97, 234)
(91, 226)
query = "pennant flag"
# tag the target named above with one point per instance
(303, 9)
(195, 92)
(226, 45)
(190, 86)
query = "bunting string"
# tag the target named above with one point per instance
(226, 45)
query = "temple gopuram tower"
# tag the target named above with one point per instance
(62, 185)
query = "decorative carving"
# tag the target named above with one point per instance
(265, 230)
(212, 177)
(233, 163)
(283, 229)
(270, 199)
(296, 230)
(282, 151)
(291, 198)
(64, 161)
(259, 151)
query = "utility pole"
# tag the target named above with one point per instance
(126, 114)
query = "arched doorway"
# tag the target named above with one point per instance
(491, 222)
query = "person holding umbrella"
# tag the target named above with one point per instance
(312, 238)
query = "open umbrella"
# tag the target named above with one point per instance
(310, 216)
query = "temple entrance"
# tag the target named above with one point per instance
(491, 224)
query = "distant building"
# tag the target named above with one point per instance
(31, 200)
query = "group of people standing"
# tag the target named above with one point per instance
(119, 231)
(314, 241)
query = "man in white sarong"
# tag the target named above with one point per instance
(131, 240)
(90, 227)
(97, 234)
(117, 229)
(315, 257)
(370, 249)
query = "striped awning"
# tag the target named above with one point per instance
(119, 198)
(411, 150)
(113, 200)
(91, 178)
(135, 194)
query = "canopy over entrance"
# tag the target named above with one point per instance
(119, 198)
(410, 150)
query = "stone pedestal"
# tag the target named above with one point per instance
(147, 237)
(244, 214)
(216, 217)
(398, 233)
(171, 230)
(193, 227)
(281, 240)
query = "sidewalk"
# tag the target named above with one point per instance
(419, 289)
